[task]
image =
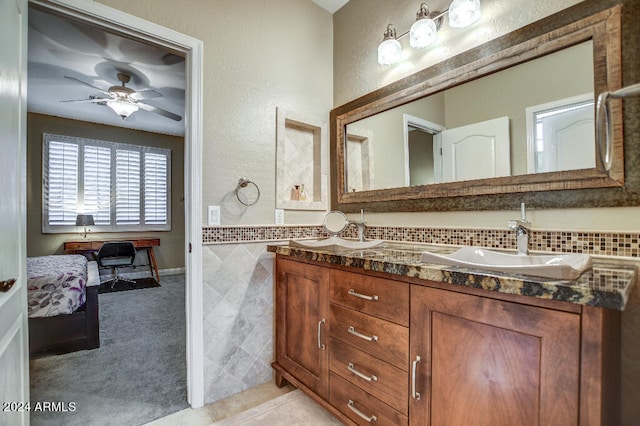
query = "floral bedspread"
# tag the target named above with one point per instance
(56, 284)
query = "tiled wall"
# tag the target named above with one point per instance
(238, 294)
(595, 243)
(238, 317)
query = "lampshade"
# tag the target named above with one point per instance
(84, 220)
(389, 49)
(123, 108)
(423, 32)
(463, 13)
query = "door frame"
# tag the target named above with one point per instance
(428, 127)
(137, 28)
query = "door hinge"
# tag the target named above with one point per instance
(189, 247)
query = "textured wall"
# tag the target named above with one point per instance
(258, 55)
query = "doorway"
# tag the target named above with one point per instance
(108, 19)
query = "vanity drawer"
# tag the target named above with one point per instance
(348, 398)
(382, 339)
(382, 298)
(381, 379)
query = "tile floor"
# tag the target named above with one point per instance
(224, 408)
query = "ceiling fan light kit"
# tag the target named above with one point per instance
(123, 108)
(123, 100)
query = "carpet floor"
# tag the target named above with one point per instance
(137, 375)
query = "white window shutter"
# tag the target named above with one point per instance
(155, 188)
(61, 183)
(97, 183)
(127, 187)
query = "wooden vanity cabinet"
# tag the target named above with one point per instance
(442, 354)
(490, 362)
(302, 310)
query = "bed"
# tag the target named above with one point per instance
(62, 297)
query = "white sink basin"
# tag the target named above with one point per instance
(560, 266)
(335, 243)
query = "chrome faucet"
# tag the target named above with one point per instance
(522, 228)
(361, 224)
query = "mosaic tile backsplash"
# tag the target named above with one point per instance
(594, 243)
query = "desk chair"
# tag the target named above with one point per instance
(115, 254)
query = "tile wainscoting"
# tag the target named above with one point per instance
(238, 294)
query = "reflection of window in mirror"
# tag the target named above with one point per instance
(422, 152)
(359, 167)
(560, 135)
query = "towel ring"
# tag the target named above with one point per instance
(243, 183)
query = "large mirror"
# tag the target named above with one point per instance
(513, 116)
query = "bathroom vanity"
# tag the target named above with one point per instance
(379, 337)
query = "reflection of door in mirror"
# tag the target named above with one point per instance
(359, 160)
(476, 151)
(559, 135)
(423, 161)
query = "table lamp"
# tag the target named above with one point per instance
(85, 220)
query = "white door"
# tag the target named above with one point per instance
(14, 350)
(477, 151)
(568, 141)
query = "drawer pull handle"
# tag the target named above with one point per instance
(414, 367)
(362, 336)
(352, 368)
(353, 293)
(369, 419)
(320, 324)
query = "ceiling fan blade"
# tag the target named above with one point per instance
(146, 94)
(160, 111)
(86, 84)
(94, 100)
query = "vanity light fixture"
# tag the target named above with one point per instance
(424, 32)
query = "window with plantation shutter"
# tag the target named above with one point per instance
(155, 188)
(97, 183)
(125, 187)
(61, 183)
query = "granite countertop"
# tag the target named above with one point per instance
(607, 284)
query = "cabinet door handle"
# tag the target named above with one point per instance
(320, 324)
(353, 293)
(362, 336)
(369, 419)
(352, 368)
(414, 366)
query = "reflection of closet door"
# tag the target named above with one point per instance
(569, 141)
(477, 151)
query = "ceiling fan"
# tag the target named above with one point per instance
(123, 100)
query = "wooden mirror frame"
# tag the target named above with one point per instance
(583, 22)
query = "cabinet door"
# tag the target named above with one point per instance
(302, 333)
(489, 362)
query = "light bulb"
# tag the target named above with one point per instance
(389, 49)
(463, 13)
(423, 33)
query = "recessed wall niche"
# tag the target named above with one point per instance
(302, 159)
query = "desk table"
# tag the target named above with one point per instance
(92, 246)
